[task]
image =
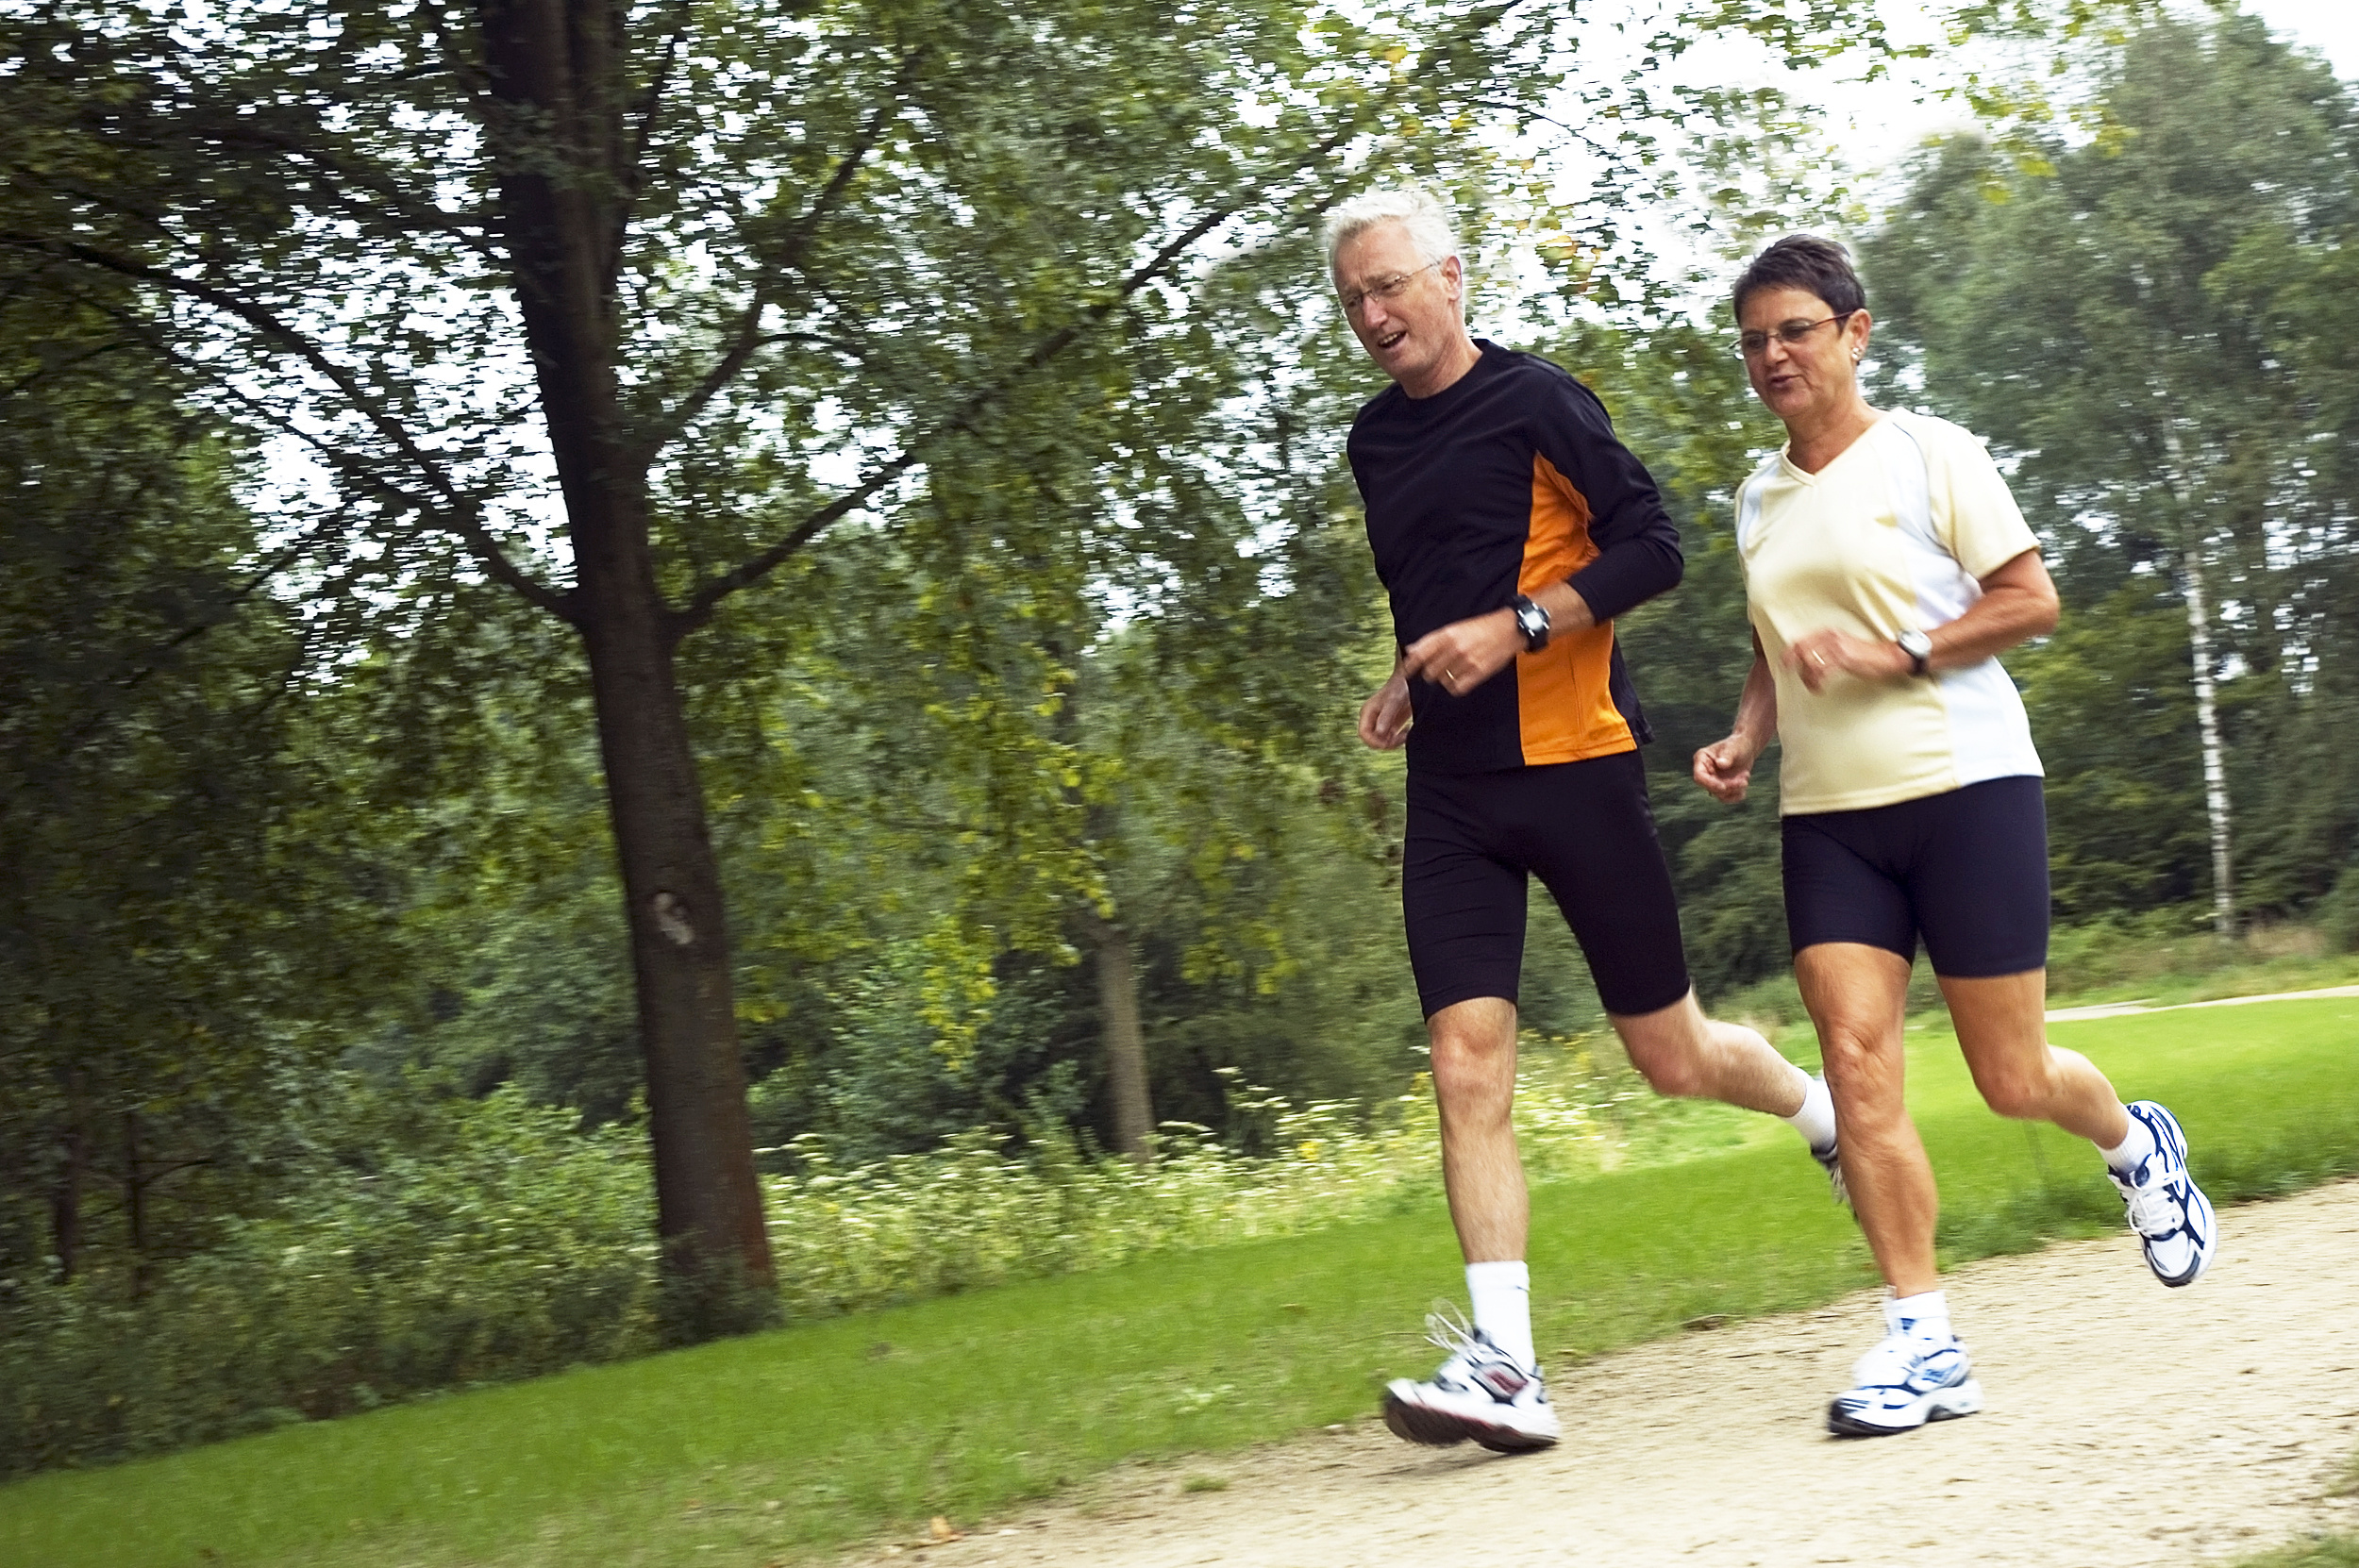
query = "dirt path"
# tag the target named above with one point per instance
(2123, 1010)
(2126, 1424)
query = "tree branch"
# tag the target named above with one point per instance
(460, 514)
(630, 179)
(42, 373)
(361, 475)
(469, 230)
(136, 667)
(747, 340)
(709, 595)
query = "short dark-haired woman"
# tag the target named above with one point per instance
(1885, 566)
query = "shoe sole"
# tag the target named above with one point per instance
(1439, 1430)
(1502, 1439)
(1942, 1405)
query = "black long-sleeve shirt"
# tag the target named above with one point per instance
(1505, 481)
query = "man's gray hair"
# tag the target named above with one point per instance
(1413, 207)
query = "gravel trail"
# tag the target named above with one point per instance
(2126, 1424)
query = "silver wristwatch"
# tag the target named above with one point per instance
(1532, 620)
(1919, 648)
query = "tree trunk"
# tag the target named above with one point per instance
(66, 1198)
(135, 1203)
(559, 128)
(2214, 762)
(1126, 1042)
(708, 1208)
(1109, 942)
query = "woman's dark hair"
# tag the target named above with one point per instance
(1805, 261)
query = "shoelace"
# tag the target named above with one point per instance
(2156, 1210)
(1895, 1357)
(1446, 1327)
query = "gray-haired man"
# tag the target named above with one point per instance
(1510, 528)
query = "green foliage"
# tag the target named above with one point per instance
(2127, 322)
(416, 1245)
(2171, 955)
(188, 906)
(2114, 717)
(2338, 912)
(854, 1238)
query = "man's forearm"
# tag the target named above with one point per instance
(1567, 611)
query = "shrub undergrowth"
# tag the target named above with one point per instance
(971, 1215)
(496, 1242)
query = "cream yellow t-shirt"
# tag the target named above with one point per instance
(1891, 536)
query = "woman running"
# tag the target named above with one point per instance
(1885, 567)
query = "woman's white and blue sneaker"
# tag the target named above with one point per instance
(1829, 1153)
(1829, 1158)
(2172, 1217)
(1918, 1373)
(1481, 1392)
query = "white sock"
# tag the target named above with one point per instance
(1502, 1308)
(1815, 1120)
(1924, 1316)
(2133, 1151)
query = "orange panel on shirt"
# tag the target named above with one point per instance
(1564, 693)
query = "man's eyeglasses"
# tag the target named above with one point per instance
(1387, 289)
(1752, 345)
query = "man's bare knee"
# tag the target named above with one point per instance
(1668, 1048)
(1860, 1065)
(1851, 1052)
(1677, 1074)
(1474, 1051)
(2022, 1092)
(1463, 1067)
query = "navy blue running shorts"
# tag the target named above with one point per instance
(1965, 869)
(1584, 829)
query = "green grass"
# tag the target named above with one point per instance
(2318, 1551)
(2325, 1551)
(965, 1406)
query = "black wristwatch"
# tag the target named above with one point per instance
(1919, 648)
(1532, 620)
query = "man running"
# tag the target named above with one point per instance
(1511, 527)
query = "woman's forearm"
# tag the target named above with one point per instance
(1757, 707)
(2018, 603)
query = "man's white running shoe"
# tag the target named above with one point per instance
(1908, 1379)
(2166, 1209)
(1481, 1392)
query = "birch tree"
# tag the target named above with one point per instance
(2062, 300)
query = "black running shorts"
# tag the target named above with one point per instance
(1583, 829)
(1966, 870)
